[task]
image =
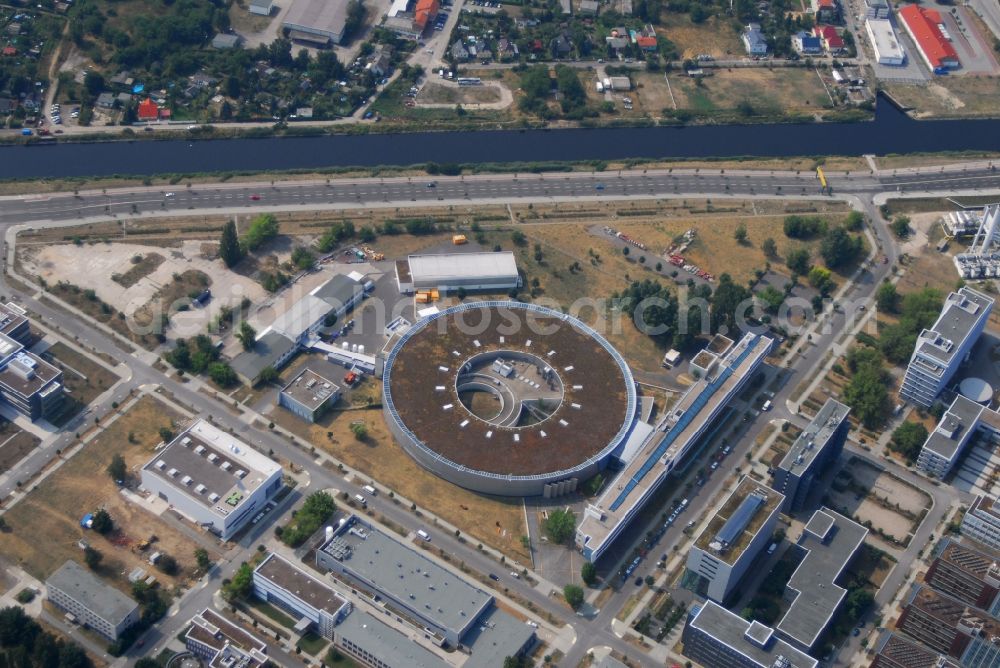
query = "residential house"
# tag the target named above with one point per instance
(589, 8)
(806, 44)
(827, 11)
(261, 7)
(226, 41)
(459, 52)
(148, 110)
(506, 49)
(10, 50)
(561, 46)
(380, 62)
(830, 38)
(106, 101)
(754, 40)
(121, 80)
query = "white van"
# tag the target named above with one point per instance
(360, 499)
(371, 490)
(423, 535)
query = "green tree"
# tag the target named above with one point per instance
(92, 557)
(769, 247)
(263, 228)
(887, 298)
(202, 558)
(798, 260)
(366, 234)
(359, 430)
(901, 227)
(94, 83)
(867, 392)
(316, 509)
(855, 221)
(839, 248)
(740, 234)
(573, 595)
(303, 258)
(268, 375)
(728, 304)
(907, 439)
(102, 522)
(229, 245)
(222, 374)
(588, 573)
(116, 468)
(246, 335)
(560, 526)
(519, 239)
(355, 18)
(241, 584)
(167, 564)
(819, 278)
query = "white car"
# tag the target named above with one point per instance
(169, 194)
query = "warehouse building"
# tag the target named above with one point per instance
(451, 271)
(715, 637)
(830, 541)
(740, 529)
(220, 643)
(941, 350)
(675, 436)
(95, 605)
(816, 448)
(885, 43)
(445, 608)
(212, 478)
(308, 395)
(924, 26)
(966, 575)
(982, 522)
(317, 22)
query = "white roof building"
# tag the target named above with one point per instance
(450, 271)
(885, 42)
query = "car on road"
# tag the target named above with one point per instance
(494, 577)
(423, 535)
(599, 186)
(856, 632)
(169, 194)
(255, 197)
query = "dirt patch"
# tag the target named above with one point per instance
(83, 379)
(45, 525)
(437, 93)
(497, 522)
(142, 266)
(784, 90)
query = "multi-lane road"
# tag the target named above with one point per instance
(65, 208)
(402, 191)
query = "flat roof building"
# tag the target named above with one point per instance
(946, 443)
(966, 575)
(816, 448)
(212, 478)
(740, 529)
(29, 384)
(830, 541)
(220, 643)
(14, 323)
(676, 434)
(884, 40)
(877, 9)
(715, 637)
(412, 584)
(934, 47)
(895, 650)
(939, 351)
(95, 604)
(317, 21)
(451, 271)
(982, 522)
(308, 395)
(951, 627)
(310, 601)
(371, 642)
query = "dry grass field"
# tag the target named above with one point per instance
(45, 528)
(435, 93)
(796, 90)
(15, 444)
(715, 36)
(83, 378)
(493, 521)
(967, 96)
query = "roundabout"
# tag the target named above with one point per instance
(508, 398)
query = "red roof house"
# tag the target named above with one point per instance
(646, 43)
(832, 41)
(425, 12)
(9, 51)
(934, 47)
(148, 110)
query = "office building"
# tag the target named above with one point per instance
(308, 395)
(948, 626)
(446, 609)
(728, 368)
(450, 271)
(94, 604)
(29, 384)
(941, 350)
(220, 643)
(212, 478)
(740, 529)
(14, 323)
(895, 650)
(946, 443)
(966, 575)
(982, 522)
(313, 604)
(813, 452)
(829, 542)
(715, 637)
(376, 645)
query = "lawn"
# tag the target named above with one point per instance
(312, 643)
(14, 444)
(498, 522)
(44, 526)
(783, 90)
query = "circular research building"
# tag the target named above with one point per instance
(508, 398)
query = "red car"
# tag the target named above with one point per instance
(255, 197)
